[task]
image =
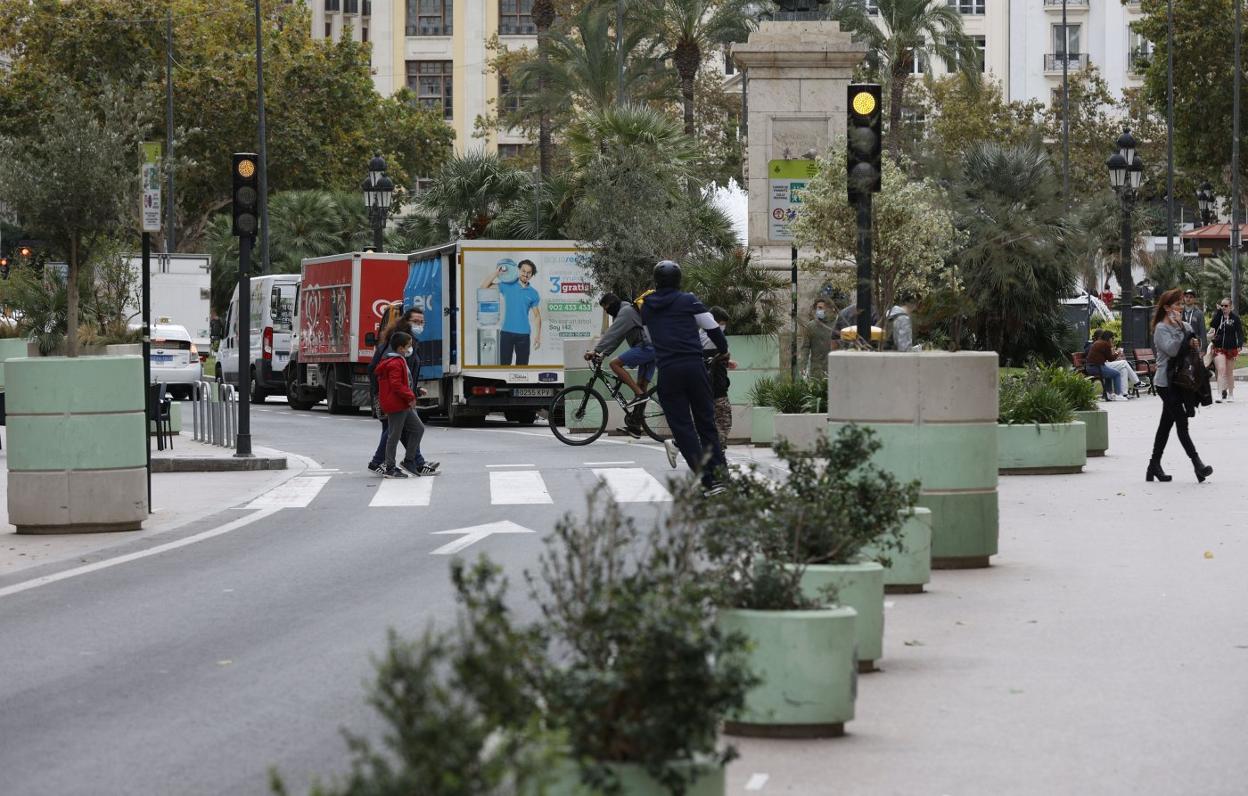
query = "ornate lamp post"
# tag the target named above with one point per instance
(378, 193)
(1204, 200)
(1126, 173)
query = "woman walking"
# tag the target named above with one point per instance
(1227, 336)
(1170, 339)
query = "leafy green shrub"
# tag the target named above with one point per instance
(789, 397)
(1027, 400)
(761, 534)
(804, 396)
(750, 295)
(1079, 391)
(762, 391)
(816, 400)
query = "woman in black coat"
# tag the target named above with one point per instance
(1226, 332)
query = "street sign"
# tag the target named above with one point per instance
(476, 534)
(149, 175)
(786, 182)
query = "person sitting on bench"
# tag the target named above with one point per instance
(1107, 362)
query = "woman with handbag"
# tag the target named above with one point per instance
(1174, 344)
(1227, 333)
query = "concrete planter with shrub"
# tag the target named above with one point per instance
(1096, 422)
(800, 430)
(909, 568)
(1042, 448)
(859, 586)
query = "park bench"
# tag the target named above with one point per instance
(1079, 360)
(1146, 367)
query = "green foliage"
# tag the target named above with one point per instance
(1079, 391)
(789, 397)
(1028, 399)
(763, 533)
(1114, 326)
(804, 396)
(762, 392)
(751, 296)
(470, 191)
(816, 400)
(960, 115)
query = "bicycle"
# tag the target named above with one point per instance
(578, 415)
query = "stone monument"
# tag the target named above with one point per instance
(796, 72)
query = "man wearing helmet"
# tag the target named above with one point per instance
(673, 318)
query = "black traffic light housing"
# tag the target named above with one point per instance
(864, 134)
(4, 267)
(246, 194)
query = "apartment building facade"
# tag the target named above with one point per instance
(438, 49)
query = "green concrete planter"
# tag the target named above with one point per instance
(564, 779)
(1041, 449)
(807, 663)
(757, 357)
(77, 457)
(802, 431)
(909, 568)
(1097, 422)
(861, 587)
(762, 425)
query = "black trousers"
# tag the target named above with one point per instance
(513, 346)
(685, 393)
(1173, 414)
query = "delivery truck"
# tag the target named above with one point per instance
(497, 315)
(342, 300)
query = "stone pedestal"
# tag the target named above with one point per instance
(935, 415)
(796, 75)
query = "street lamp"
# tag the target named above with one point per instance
(378, 193)
(1204, 200)
(1126, 174)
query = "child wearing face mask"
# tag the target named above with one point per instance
(411, 325)
(719, 378)
(820, 337)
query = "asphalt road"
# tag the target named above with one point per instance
(195, 670)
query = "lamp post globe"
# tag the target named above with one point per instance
(1127, 145)
(378, 192)
(1117, 166)
(1135, 173)
(1204, 199)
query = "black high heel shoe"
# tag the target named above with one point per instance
(1155, 471)
(1203, 470)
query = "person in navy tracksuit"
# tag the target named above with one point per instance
(673, 317)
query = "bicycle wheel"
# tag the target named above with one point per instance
(578, 415)
(652, 418)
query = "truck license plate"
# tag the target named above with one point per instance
(533, 392)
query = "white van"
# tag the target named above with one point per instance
(273, 298)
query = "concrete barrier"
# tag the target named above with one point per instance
(77, 447)
(935, 414)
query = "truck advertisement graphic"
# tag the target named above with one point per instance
(520, 305)
(424, 291)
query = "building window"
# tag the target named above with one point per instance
(918, 62)
(350, 6)
(508, 102)
(431, 82)
(367, 8)
(515, 18)
(332, 5)
(364, 34)
(1139, 52)
(511, 151)
(981, 44)
(1067, 42)
(730, 68)
(968, 6)
(915, 121)
(329, 29)
(873, 8)
(430, 17)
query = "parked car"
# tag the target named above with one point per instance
(272, 319)
(175, 359)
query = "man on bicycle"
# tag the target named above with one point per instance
(626, 326)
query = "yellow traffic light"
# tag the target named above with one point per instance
(864, 103)
(24, 251)
(246, 168)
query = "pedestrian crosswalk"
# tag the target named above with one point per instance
(521, 487)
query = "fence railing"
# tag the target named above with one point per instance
(214, 413)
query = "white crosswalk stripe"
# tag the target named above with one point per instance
(404, 492)
(296, 493)
(633, 485)
(518, 487)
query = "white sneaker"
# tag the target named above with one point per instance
(1111, 397)
(672, 452)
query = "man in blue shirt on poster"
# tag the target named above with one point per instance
(520, 300)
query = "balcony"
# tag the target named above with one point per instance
(1138, 61)
(1072, 6)
(1074, 61)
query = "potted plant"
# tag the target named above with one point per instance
(908, 568)
(763, 410)
(801, 412)
(1037, 433)
(1081, 394)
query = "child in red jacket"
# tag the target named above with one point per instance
(398, 401)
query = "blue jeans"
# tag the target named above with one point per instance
(1112, 374)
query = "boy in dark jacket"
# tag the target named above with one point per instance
(413, 324)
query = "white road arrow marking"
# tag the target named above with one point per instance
(476, 534)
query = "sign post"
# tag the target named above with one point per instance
(149, 210)
(786, 185)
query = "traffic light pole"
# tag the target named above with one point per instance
(242, 442)
(793, 312)
(863, 203)
(146, 301)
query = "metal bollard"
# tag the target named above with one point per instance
(231, 415)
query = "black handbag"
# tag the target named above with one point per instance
(1186, 371)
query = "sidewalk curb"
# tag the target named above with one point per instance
(189, 464)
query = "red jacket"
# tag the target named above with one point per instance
(394, 384)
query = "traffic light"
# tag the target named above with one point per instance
(864, 134)
(25, 251)
(246, 195)
(4, 267)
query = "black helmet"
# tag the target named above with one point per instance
(667, 274)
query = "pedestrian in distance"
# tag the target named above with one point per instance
(412, 323)
(1173, 340)
(397, 397)
(1227, 334)
(1194, 316)
(673, 317)
(898, 324)
(717, 368)
(821, 337)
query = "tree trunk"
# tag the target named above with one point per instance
(686, 98)
(688, 60)
(896, 91)
(71, 301)
(543, 14)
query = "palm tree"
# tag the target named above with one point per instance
(908, 29)
(302, 224)
(637, 127)
(689, 28)
(469, 192)
(543, 12)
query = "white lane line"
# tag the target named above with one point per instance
(606, 464)
(518, 487)
(296, 493)
(412, 491)
(756, 782)
(633, 485)
(501, 466)
(151, 551)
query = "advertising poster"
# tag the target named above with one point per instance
(423, 291)
(520, 306)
